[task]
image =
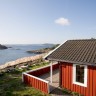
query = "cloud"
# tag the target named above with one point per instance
(62, 21)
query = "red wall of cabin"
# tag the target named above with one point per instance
(67, 78)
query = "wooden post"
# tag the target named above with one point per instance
(51, 71)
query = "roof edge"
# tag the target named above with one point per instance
(53, 50)
(92, 64)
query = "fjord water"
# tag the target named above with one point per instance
(19, 51)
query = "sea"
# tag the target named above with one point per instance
(16, 51)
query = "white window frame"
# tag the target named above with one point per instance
(85, 76)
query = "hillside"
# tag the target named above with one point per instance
(3, 47)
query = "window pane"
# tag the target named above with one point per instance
(79, 73)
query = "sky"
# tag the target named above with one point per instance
(46, 21)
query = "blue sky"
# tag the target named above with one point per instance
(46, 21)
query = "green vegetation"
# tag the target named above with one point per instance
(38, 65)
(54, 46)
(51, 48)
(11, 83)
(66, 91)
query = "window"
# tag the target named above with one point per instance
(80, 75)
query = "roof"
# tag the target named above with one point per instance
(75, 51)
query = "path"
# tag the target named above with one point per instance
(58, 92)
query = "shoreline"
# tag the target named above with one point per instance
(22, 61)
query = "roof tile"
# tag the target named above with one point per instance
(76, 50)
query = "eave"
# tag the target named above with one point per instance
(73, 62)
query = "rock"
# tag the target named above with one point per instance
(43, 50)
(21, 61)
(3, 47)
(36, 52)
(40, 51)
(24, 67)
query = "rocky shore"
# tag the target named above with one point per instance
(21, 62)
(27, 60)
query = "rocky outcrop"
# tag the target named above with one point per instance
(3, 47)
(41, 51)
(44, 50)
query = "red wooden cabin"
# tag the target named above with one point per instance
(77, 59)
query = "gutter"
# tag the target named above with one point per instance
(82, 63)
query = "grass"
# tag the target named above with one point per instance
(66, 91)
(11, 84)
(39, 65)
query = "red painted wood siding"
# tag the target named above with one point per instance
(67, 78)
(43, 70)
(38, 84)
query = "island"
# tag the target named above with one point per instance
(43, 50)
(3, 47)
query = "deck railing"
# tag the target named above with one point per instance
(36, 82)
(30, 78)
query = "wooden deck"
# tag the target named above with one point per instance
(40, 78)
(55, 90)
(55, 79)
